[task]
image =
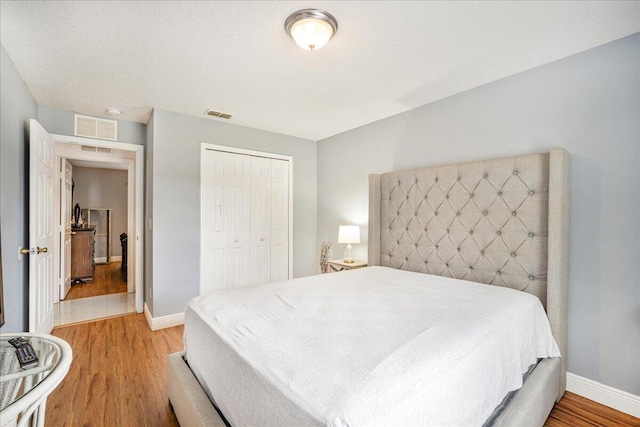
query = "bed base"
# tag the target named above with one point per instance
(189, 401)
(529, 406)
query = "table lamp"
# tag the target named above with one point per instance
(349, 234)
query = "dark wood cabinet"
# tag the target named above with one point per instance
(82, 247)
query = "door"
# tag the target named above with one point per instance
(260, 220)
(66, 184)
(245, 220)
(279, 220)
(225, 233)
(41, 229)
(239, 204)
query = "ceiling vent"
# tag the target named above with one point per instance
(217, 114)
(91, 127)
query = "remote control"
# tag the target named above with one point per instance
(18, 342)
(27, 356)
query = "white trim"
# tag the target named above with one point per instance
(604, 394)
(133, 156)
(163, 322)
(226, 149)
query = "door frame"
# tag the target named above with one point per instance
(204, 146)
(133, 156)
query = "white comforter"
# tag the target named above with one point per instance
(374, 346)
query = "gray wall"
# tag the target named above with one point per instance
(17, 106)
(589, 104)
(104, 188)
(61, 122)
(176, 200)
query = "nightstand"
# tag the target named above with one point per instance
(340, 265)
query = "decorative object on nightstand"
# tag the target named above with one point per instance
(340, 265)
(324, 257)
(349, 234)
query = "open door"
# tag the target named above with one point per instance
(66, 191)
(41, 229)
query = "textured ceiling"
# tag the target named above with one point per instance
(387, 56)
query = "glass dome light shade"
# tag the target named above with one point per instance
(311, 29)
(311, 34)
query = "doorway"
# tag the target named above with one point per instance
(99, 227)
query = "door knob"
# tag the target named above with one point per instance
(25, 251)
(262, 239)
(45, 250)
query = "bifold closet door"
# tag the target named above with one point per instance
(245, 221)
(279, 220)
(269, 220)
(260, 220)
(226, 230)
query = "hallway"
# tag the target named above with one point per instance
(105, 297)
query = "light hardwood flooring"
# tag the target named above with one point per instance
(574, 411)
(107, 279)
(118, 378)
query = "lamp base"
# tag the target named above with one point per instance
(349, 261)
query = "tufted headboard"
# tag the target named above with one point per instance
(502, 222)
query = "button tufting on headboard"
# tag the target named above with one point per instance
(473, 221)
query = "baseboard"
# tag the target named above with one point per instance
(603, 394)
(163, 322)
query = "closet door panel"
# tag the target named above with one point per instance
(260, 220)
(279, 220)
(214, 223)
(239, 187)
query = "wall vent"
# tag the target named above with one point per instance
(96, 149)
(217, 114)
(92, 127)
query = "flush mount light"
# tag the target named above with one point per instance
(311, 28)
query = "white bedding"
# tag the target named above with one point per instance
(372, 346)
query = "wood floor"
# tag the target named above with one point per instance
(118, 378)
(575, 411)
(107, 279)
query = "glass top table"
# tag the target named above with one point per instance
(23, 391)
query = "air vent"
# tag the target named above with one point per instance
(217, 114)
(96, 149)
(92, 127)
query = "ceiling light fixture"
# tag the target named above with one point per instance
(311, 28)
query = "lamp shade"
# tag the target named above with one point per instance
(349, 234)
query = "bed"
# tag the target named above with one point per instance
(501, 222)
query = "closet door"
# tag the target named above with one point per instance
(225, 221)
(279, 220)
(239, 208)
(244, 220)
(260, 220)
